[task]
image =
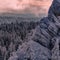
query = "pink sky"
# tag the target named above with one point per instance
(34, 6)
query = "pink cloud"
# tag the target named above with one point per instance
(34, 6)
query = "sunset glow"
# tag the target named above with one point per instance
(34, 6)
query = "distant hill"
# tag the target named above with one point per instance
(11, 17)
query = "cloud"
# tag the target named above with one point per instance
(25, 6)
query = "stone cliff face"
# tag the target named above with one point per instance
(32, 51)
(45, 44)
(32, 40)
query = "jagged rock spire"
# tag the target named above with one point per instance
(55, 8)
(58, 1)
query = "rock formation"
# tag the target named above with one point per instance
(32, 40)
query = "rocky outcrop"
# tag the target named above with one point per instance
(32, 40)
(31, 51)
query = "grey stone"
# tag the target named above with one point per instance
(33, 51)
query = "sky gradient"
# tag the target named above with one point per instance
(25, 6)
